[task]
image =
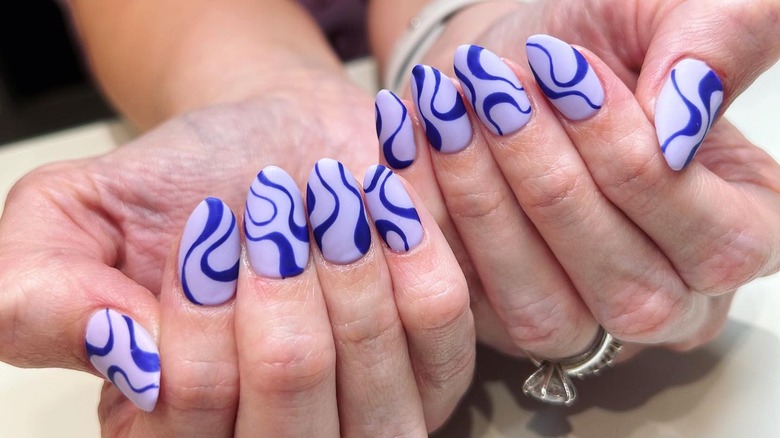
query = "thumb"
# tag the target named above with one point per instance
(700, 57)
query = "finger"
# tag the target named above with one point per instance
(56, 274)
(376, 386)
(399, 132)
(430, 293)
(591, 239)
(695, 66)
(524, 283)
(199, 395)
(286, 352)
(712, 230)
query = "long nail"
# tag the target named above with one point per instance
(392, 210)
(209, 252)
(336, 213)
(277, 237)
(394, 129)
(442, 110)
(124, 352)
(493, 89)
(565, 77)
(686, 110)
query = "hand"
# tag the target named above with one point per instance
(591, 224)
(82, 236)
(377, 343)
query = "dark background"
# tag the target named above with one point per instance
(44, 85)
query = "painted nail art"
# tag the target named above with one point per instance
(124, 352)
(392, 210)
(277, 238)
(493, 89)
(686, 109)
(209, 252)
(336, 213)
(441, 109)
(565, 77)
(394, 129)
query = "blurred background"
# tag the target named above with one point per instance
(44, 84)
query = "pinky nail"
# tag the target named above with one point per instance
(441, 109)
(565, 77)
(394, 130)
(209, 253)
(494, 91)
(392, 209)
(277, 236)
(336, 213)
(125, 354)
(686, 110)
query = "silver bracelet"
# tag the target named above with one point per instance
(423, 30)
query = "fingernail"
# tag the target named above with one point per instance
(336, 213)
(686, 109)
(565, 77)
(394, 129)
(124, 352)
(277, 238)
(493, 89)
(392, 209)
(209, 252)
(442, 110)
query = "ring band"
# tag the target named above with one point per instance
(551, 382)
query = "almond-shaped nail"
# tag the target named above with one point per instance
(336, 212)
(686, 110)
(209, 253)
(392, 209)
(493, 89)
(121, 350)
(277, 236)
(394, 130)
(565, 77)
(441, 109)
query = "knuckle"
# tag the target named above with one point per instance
(734, 259)
(542, 326)
(637, 174)
(468, 202)
(289, 363)
(435, 303)
(642, 313)
(556, 196)
(203, 386)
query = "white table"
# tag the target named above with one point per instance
(729, 388)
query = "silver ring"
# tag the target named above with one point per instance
(552, 384)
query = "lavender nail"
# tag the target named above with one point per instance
(441, 109)
(392, 209)
(394, 129)
(336, 213)
(686, 110)
(493, 89)
(124, 352)
(565, 77)
(209, 252)
(277, 236)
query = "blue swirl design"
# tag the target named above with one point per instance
(121, 356)
(355, 229)
(708, 86)
(582, 70)
(391, 143)
(390, 217)
(217, 211)
(455, 112)
(491, 98)
(290, 239)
